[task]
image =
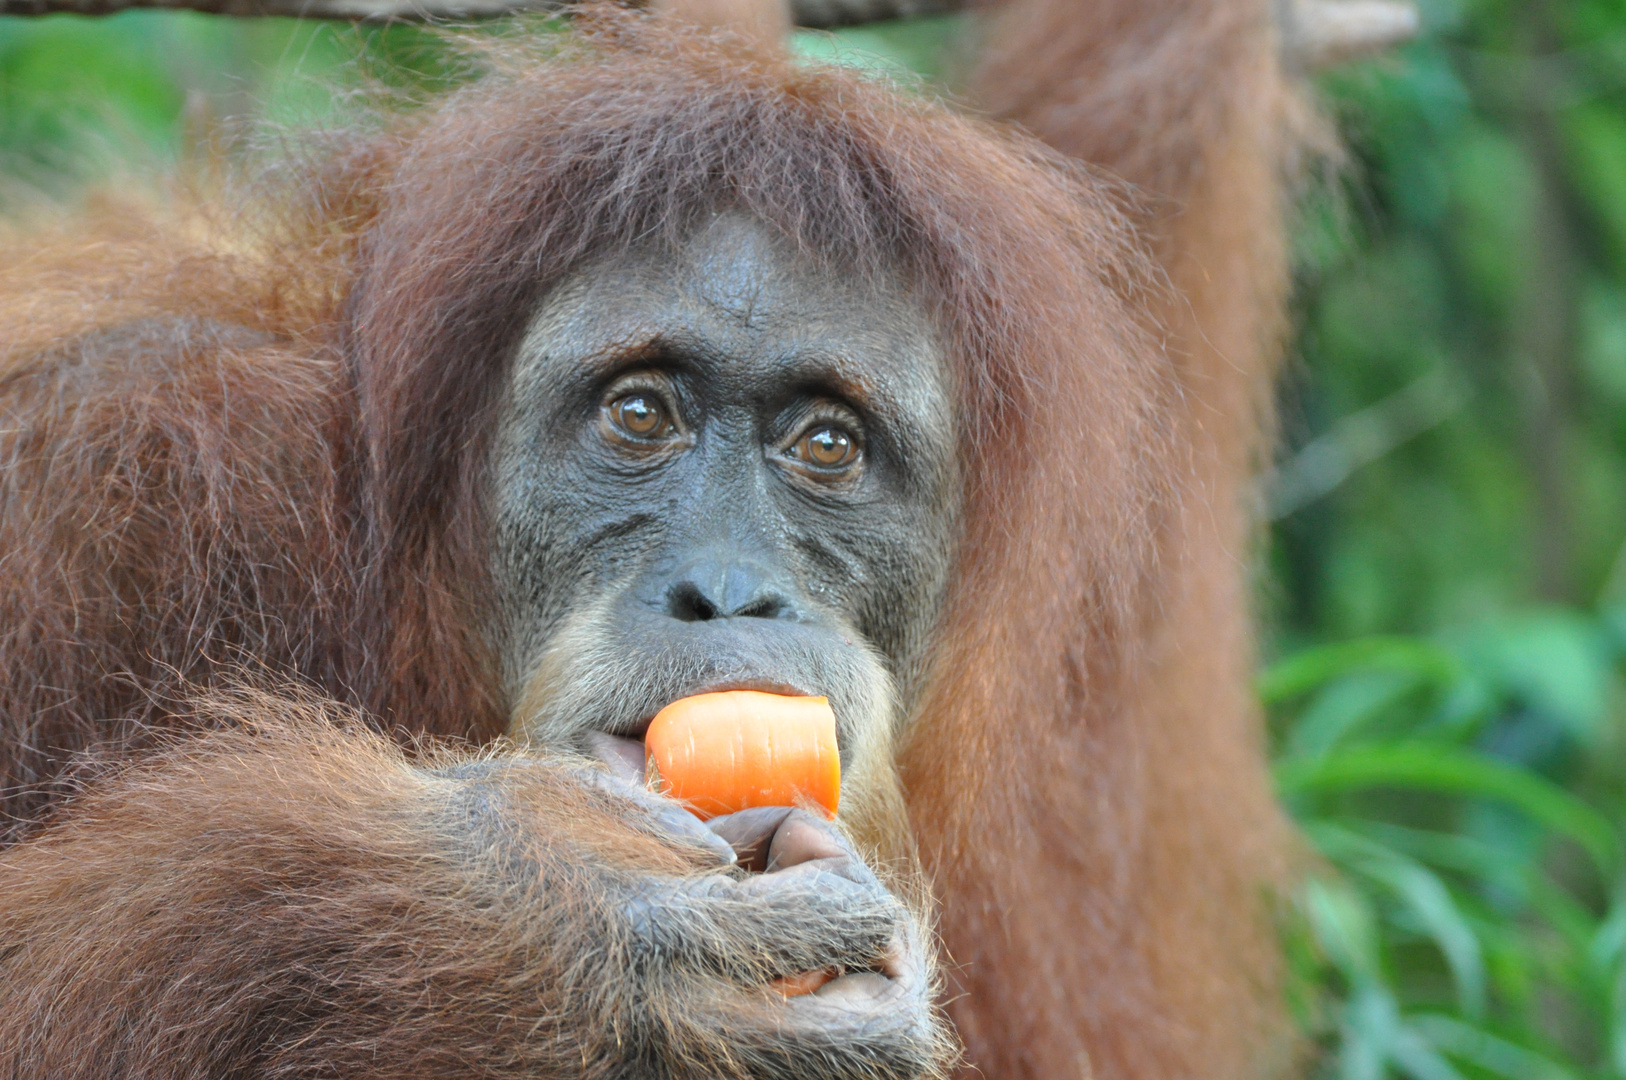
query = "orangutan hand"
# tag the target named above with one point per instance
(786, 957)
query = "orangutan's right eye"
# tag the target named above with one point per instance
(640, 416)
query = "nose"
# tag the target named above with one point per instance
(727, 589)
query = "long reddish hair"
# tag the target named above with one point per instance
(628, 136)
(319, 505)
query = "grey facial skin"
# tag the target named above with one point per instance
(719, 551)
(727, 467)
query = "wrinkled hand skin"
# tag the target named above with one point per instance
(682, 966)
(300, 900)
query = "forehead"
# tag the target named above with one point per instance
(741, 304)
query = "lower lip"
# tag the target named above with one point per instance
(624, 756)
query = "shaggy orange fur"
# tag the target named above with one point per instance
(258, 439)
(1188, 101)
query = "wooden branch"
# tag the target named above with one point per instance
(828, 14)
(1319, 34)
(1315, 33)
(355, 10)
(819, 14)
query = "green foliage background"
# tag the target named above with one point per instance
(1445, 586)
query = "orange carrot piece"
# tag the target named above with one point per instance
(736, 749)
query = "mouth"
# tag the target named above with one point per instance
(623, 750)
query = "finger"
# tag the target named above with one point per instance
(751, 833)
(670, 816)
(899, 979)
(802, 838)
(903, 962)
(765, 926)
(861, 990)
(676, 820)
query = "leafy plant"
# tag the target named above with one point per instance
(1447, 579)
(1466, 911)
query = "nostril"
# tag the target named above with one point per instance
(686, 603)
(711, 589)
(763, 607)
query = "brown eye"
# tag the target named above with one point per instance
(827, 447)
(639, 415)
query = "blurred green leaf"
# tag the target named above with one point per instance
(1493, 188)
(1485, 1050)
(1555, 661)
(905, 49)
(1305, 671)
(1342, 708)
(1424, 894)
(1418, 1058)
(1595, 141)
(1371, 1021)
(1345, 927)
(1457, 771)
(1602, 353)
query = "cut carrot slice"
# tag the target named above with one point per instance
(737, 749)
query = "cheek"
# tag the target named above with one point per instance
(536, 560)
(901, 543)
(883, 572)
(913, 579)
(554, 552)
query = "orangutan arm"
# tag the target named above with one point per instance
(293, 897)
